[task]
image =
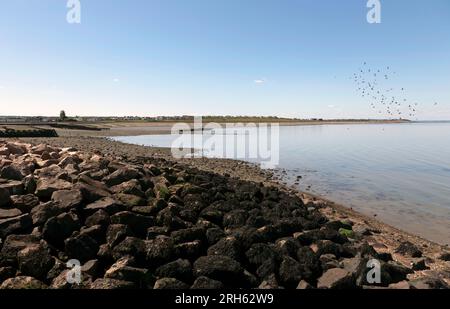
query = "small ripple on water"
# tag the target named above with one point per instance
(402, 172)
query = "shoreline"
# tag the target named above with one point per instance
(116, 129)
(383, 237)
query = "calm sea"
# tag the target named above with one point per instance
(400, 172)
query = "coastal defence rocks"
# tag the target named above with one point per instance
(153, 223)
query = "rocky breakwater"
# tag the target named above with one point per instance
(153, 223)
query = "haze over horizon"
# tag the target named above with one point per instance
(277, 58)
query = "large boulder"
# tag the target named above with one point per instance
(227, 246)
(91, 189)
(108, 204)
(14, 187)
(115, 233)
(290, 272)
(92, 268)
(287, 246)
(309, 263)
(189, 250)
(397, 272)
(213, 235)
(131, 200)
(40, 214)
(46, 187)
(58, 228)
(12, 172)
(259, 253)
(41, 148)
(9, 213)
(100, 217)
(179, 269)
(131, 187)
(81, 246)
(68, 199)
(235, 218)
(137, 223)
(52, 171)
(159, 250)
(336, 278)
(122, 271)
(15, 225)
(189, 234)
(121, 175)
(222, 268)
(12, 245)
(409, 249)
(130, 246)
(16, 148)
(4, 197)
(35, 261)
(24, 202)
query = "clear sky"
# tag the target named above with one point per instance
(238, 57)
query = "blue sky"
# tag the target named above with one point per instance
(238, 57)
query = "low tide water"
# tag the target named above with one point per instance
(398, 172)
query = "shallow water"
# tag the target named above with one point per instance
(400, 172)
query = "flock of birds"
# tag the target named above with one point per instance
(374, 85)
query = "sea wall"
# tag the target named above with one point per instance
(154, 223)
